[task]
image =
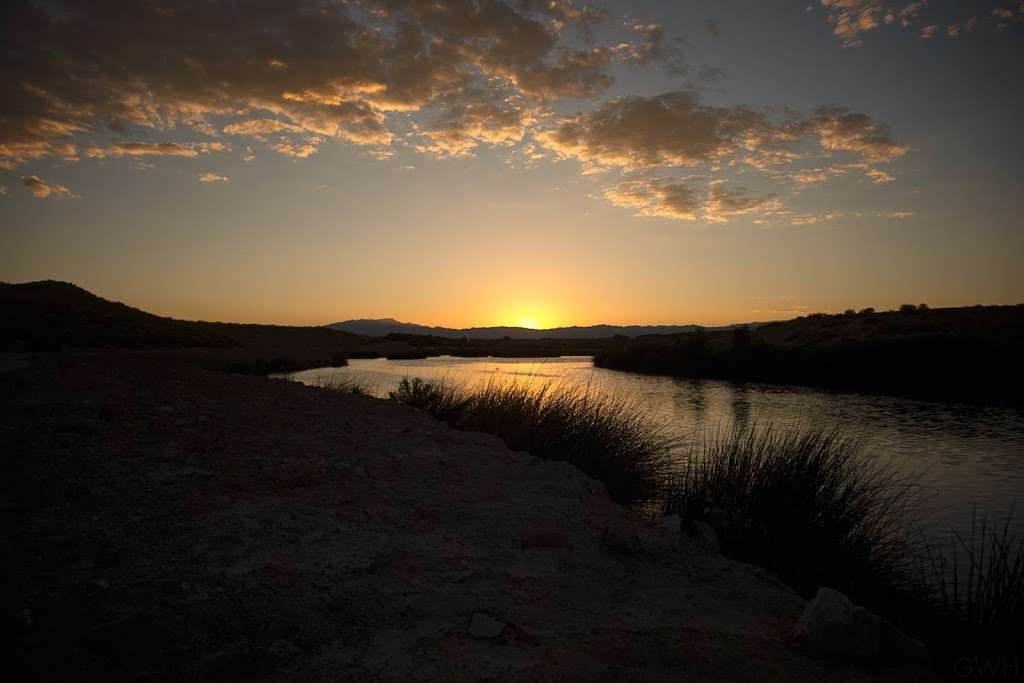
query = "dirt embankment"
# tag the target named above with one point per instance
(162, 521)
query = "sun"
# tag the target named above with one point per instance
(530, 323)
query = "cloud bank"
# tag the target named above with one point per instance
(445, 78)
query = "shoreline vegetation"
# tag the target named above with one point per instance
(607, 440)
(971, 355)
(807, 504)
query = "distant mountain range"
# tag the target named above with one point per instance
(385, 326)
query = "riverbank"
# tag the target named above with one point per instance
(968, 355)
(172, 521)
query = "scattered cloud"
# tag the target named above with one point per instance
(852, 18)
(474, 118)
(898, 215)
(725, 203)
(211, 177)
(166, 149)
(955, 29)
(842, 130)
(656, 197)
(635, 134)
(261, 128)
(675, 129)
(3, 190)
(302, 149)
(879, 176)
(814, 218)
(811, 176)
(655, 46)
(715, 201)
(42, 189)
(671, 129)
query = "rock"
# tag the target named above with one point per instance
(672, 522)
(705, 535)
(832, 626)
(485, 627)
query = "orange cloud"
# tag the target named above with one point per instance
(330, 70)
(42, 189)
(654, 197)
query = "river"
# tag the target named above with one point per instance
(968, 458)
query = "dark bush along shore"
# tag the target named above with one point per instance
(972, 355)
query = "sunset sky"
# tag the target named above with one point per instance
(486, 162)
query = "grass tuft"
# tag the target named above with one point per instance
(976, 591)
(804, 503)
(333, 382)
(612, 441)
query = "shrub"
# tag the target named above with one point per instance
(741, 338)
(807, 504)
(609, 440)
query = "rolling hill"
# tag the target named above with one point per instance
(384, 326)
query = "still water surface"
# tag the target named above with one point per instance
(969, 457)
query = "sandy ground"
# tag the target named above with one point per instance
(161, 521)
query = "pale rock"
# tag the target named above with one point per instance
(832, 626)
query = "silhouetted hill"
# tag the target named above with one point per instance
(56, 316)
(51, 315)
(384, 326)
(972, 354)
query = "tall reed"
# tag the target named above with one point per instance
(612, 441)
(805, 503)
(976, 590)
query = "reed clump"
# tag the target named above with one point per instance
(337, 383)
(612, 441)
(807, 504)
